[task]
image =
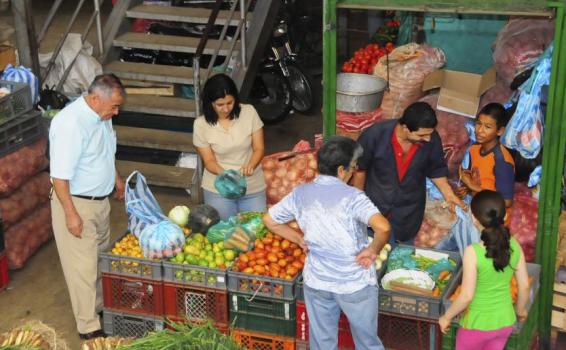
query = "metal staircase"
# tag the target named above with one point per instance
(240, 67)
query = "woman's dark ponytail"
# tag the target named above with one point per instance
(489, 209)
(496, 238)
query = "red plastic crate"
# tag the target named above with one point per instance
(345, 339)
(195, 304)
(262, 341)
(4, 277)
(409, 333)
(132, 295)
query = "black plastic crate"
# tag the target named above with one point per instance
(265, 315)
(408, 333)
(16, 103)
(20, 132)
(126, 325)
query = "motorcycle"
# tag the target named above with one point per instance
(281, 84)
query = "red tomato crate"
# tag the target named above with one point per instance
(262, 341)
(345, 339)
(4, 277)
(195, 304)
(132, 295)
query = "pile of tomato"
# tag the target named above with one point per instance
(272, 256)
(366, 58)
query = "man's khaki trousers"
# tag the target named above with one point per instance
(79, 257)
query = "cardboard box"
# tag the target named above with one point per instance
(460, 92)
(7, 56)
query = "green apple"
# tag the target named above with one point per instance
(180, 257)
(202, 254)
(221, 245)
(187, 249)
(208, 247)
(203, 263)
(179, 275)
(229, 255)
(198, 237)
(216, 248)
(212, 265)
(209, 258)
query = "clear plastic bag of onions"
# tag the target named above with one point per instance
(284, 171)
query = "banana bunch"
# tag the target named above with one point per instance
(23, 339)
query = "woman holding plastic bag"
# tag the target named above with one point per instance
(229, 138)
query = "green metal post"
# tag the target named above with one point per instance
(329, 68)
(553, 170)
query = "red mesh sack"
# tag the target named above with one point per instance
(436, 224)
(523, 220)
(284, 171)
(25, 199)
(17, 167)
(408, 67)
(25, 237)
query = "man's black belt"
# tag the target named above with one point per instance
(91, 198)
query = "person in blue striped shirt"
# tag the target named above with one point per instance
(339, 272)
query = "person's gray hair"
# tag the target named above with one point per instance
(105, 84)
(336, 152)
(358, 152)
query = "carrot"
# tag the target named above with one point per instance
(443, 274)
(436, 292)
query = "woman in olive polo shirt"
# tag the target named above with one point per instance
(230, 136)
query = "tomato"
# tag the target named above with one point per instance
(252, 263)
(268, 248)
(285, 244)
(276, 244)
(280, 255)
(275, 249)
(288, 278)
(261, 262)
(248, 270)
(302, 258)
(291, 270)
(275, 266)
(282, 274)
(244, 258)
(260, 269)
(242, 265)
(251, 256)
(297, 264)
(282, 262)
(272, 257)
(260, 253)
(267, 240)
(259, 244)
(274, 273)
(297, 252)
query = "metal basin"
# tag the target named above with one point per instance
(359, 92)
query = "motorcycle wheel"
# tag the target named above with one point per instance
(303, 97)
(271, 96)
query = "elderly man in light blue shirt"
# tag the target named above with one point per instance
(339, 272)
(82, 152)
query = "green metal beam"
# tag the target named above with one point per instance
(553, 170)
(329, 68)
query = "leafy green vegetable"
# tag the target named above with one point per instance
(184, 337)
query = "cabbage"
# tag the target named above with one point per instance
(180, 215)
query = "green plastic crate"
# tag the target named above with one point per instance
(265, 315)
(484, 5)
(524, 336)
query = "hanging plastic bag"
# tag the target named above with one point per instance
(524, 131)
(252, 222)
(462, 234)
(230, 184)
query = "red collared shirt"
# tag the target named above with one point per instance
(403, 161)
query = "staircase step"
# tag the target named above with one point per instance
(158, 174)
(169, 43)
(160, 105)
(180, 14)
(151, 72)
(155, 139)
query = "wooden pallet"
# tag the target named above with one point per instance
(559, 307)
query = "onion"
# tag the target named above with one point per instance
(310, 174)
(282, 191)
(268, 164)
(313, 164)
(272, 193)
(285, 183)
(268, 175)
(300, 163)
(281, 172)
(292, 175)
(276, 183)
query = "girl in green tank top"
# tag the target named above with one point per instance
(488, 268)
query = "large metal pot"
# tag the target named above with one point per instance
(359, 92)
